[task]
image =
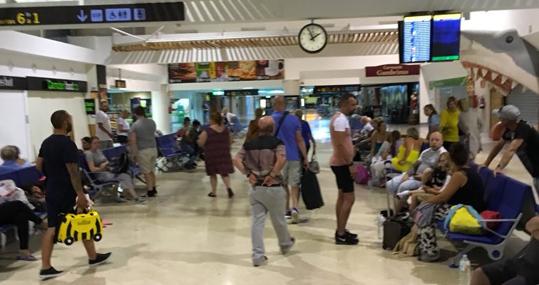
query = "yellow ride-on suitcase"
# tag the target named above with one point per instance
(75, 227)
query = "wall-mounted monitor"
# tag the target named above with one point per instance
(446, 37)
(415, 39)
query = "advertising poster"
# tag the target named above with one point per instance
(226, 71)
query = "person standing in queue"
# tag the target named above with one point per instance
(143, 148)
(58, 160)
(523, 140)
(343, 168)
(261, 159)
(288, 130)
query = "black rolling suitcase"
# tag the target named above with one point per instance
(394, 229)
(310, 191)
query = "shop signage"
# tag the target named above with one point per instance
(94, 14)
(392, 70)
(336, 89)
(89, 106)
(226, 71)
(120, 84)
(49, 84)
(243, 92)
(12, 83)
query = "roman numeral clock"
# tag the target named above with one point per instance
(312, 38)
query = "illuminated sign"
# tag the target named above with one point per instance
(94, 14)
(12, 83)
(49, 84)
(392, 70)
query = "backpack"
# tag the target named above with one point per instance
(362, 175)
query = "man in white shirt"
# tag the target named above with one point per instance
(103, 130)
(342, 167)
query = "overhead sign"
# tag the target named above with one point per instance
(94, 14)
(89, 106)
(12, 83)
(392, 70)
(49, 84)
(120, 83)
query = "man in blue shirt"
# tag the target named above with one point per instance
(288, 130)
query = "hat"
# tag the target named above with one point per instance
(508, 112)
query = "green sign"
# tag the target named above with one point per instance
(62, 86)
(89, 106)
(459, 81)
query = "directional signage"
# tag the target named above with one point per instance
(95, 14)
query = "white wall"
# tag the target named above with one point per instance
(525, 21)
(40, 107)
(13, 127)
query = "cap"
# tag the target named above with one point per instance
(507, 112)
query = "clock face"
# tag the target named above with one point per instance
(312, 38)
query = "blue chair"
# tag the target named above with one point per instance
(96, 186)
(506, 196)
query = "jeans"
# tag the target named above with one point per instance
(396, 185)
(266, 200)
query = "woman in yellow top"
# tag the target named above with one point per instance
(408, 152)
(449, 123)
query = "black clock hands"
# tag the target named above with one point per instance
(315, 36)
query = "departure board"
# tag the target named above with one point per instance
(446, 37)
(416, 39)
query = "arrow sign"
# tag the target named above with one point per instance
(82, 16)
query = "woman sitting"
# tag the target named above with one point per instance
(408, 152)
(100, 167)
(433, 180)
(18, 213)
(464, 187)
(386, 151)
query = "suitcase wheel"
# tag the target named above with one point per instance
(97, 237)
(68, 241)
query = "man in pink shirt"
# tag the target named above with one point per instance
(342, 167)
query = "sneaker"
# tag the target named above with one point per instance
(348, 233)
(286, 249)
(260, 261)
(288, 214)
(345, 240)
(99, 259)
(425, 257)
(151, 194)
(49, 273)
(295, 216)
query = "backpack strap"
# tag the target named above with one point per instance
(281, 121)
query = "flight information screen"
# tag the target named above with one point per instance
(446, 37)
(416, 39)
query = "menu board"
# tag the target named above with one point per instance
(446, 37)
(226, 71)
(416, 39)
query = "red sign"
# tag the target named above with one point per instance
(392, 70)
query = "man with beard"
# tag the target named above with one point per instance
(58, 160)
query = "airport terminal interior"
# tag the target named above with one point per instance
(269, 142)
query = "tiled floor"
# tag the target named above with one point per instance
(184, 237)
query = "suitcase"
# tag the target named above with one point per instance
(395, 228)
(310, 191)
(75, 227)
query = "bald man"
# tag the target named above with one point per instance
(261, 160)
(288, 130)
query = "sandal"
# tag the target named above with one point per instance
(212, 195)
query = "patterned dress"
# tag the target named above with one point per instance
(217, 153)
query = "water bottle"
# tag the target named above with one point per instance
(380, 219)
(464, 270)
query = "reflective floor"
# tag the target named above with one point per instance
(185, 237)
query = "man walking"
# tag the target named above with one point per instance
(523, 140)
(262, 160)
(288, 130)
(103, 130)
(143, 148)
(341, 165)
(58, 160)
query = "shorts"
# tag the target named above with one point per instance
(146, 159)
(344, 179)
(511, 273)
(59, 205)
(292, 173)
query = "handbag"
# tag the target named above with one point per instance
(314, 166)
(362, 175)
(310, 191)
